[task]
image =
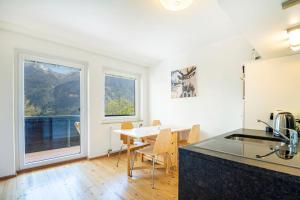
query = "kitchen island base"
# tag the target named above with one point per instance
(206, 177)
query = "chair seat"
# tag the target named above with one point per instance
(182, 143)
(138, 144)
(151, 139)
(146, 151)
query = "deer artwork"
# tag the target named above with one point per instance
(183, 82)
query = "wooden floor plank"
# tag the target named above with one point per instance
(94, 179)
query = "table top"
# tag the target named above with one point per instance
(148, 131)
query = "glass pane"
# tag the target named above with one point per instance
(119, 96)
(52, 110)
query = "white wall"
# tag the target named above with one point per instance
(98, 133)
(7, 165)
(218, 105)
(271, 85)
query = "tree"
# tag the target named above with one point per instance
(31, 110)
(119, 106)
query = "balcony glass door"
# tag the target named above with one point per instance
(51, 106)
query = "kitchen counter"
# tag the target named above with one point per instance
(220, 168)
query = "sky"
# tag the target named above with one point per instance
(55, 68)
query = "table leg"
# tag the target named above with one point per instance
(176, 150)
(128, 157)
(174, 153)
(142, 155)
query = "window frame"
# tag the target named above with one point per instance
(128, 75)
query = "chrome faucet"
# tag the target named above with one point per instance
(293, 134)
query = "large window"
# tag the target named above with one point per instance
(51, 110)
(120, 95)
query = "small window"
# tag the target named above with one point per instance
(120, 96)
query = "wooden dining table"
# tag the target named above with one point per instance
(144, 132)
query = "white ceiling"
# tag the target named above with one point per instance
(137, 30)
(263, 23)
(142, 31)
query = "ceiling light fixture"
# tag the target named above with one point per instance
(175, 5)
(294, 37)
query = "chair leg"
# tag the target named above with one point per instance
(153, 170)
(132, 163)
(166, 160)
(119, 155)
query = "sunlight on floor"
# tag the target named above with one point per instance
(44, 155)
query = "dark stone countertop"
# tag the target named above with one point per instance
(244, 151)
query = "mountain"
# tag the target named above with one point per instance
(67, 95)
(55, 90)
(119, 96)
(48, 92)
(117, 87)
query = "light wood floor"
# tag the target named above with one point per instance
(95, 179)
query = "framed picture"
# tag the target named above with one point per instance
(184, 82)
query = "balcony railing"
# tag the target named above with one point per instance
(44, 133)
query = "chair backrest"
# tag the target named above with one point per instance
(77, 126)
(194, 135)
(156, 122)
(126, 126)
(163, 142)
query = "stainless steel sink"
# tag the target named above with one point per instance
(253, 138)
